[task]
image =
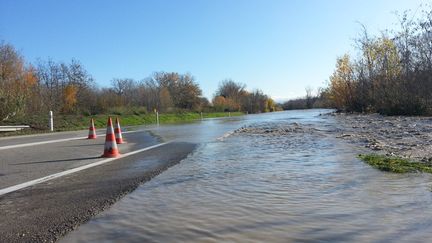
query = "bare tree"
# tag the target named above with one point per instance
(309, 97)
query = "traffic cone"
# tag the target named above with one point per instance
(110, 150)
(92, 130)
(118, 133)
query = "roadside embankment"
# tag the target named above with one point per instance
(398, 144)
(39, 124)
(402, 136)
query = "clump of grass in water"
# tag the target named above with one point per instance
(395, 164)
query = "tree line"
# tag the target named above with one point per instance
(232, 96)
(310, 101)
(392, 72)
(68, 88)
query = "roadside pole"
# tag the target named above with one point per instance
(51, 121)
(202, 116)
(157, 118)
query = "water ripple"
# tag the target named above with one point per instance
(274, 181)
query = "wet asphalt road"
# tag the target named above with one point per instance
(21, 164)
(47, 211)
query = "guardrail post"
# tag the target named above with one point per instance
(51, 121)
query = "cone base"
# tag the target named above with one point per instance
(110, 155)
(92, 137)
(120, 141)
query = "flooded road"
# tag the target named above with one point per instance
(278, 177)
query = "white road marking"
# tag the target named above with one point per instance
(38, 143)
(68, 172)
(49, 141)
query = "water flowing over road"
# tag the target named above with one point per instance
(271, 177)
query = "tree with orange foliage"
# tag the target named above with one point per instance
(16, 81)
(219, 103)
(70, 98)
(166, 102)
(342, 84)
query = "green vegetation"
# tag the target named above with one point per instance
(29, 91)
(67, 89)
(395, 164)
(39, 124)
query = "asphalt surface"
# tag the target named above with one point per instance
(5, 141)
(47, 211)
(18, 165)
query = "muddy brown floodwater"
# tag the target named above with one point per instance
(281, 177)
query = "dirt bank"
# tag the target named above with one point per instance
(406, 137)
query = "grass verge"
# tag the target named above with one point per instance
(39, 124)
(395, 164)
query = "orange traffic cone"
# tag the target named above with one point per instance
(110, 150)
(118, 133)
(92, 130)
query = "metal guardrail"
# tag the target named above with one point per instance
(13, 128)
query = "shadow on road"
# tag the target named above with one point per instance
(84, 145)
(59, 160)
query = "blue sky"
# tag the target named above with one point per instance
(279, 46)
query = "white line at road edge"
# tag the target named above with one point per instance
(68, 172)
(39, 143)
(45, 142)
